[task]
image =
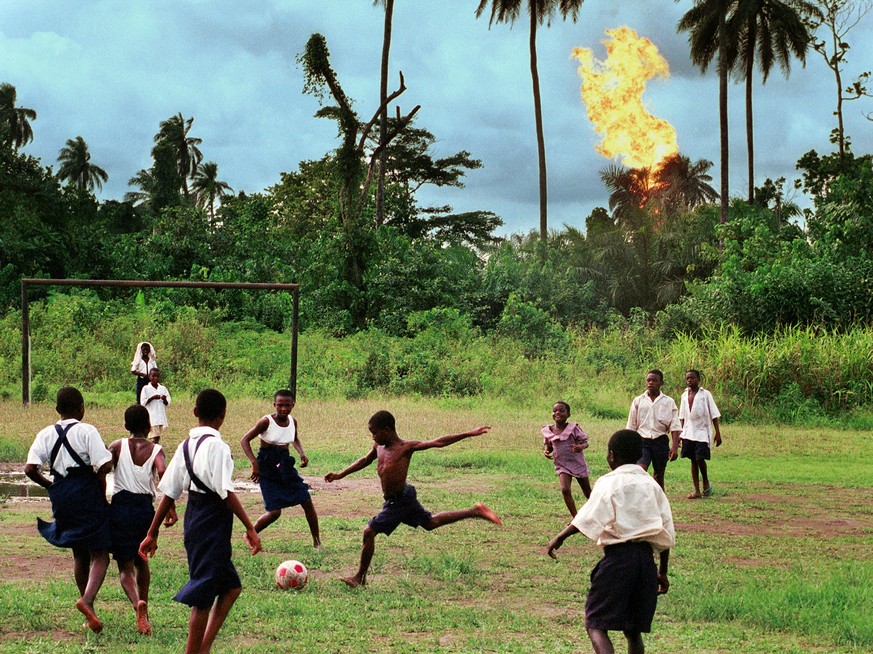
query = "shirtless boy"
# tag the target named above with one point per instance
(393, 456)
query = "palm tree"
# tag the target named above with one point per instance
(15, 129)
(769, 31)
(76, 166)
(146, 182)
(706, 24)
(383, 109)
(540, 11)
(207, 187)
(174, 131)
(683, 185)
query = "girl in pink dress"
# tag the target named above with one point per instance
(564, 443)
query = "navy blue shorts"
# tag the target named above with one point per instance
(403, 508)
(696, 450)
(624, 589)
(657, 452)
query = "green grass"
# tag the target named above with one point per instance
(778, 560)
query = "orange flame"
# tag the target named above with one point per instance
(612, 92)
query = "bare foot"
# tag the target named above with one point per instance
(143, 625)
(91, 618)
(353, 582)
(316, 543)
(488, 514)
(694, 496)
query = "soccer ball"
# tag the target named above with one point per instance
(291, 574)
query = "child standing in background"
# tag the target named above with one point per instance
(564, 444)
(136, 461)
(698, 415)
(144, 359)
(156, 398)
(273, 469)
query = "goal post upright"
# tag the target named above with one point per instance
(294, 289)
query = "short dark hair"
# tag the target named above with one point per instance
(696, 372)
(69, 400)
(210, 404)
(136, 419)
(284, 392)
(566, 406)
(626, 446)
(382, 420)
(656, 371)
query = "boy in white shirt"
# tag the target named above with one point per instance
(698, 415)
(629, 515)
(655, 417)
(156, 398)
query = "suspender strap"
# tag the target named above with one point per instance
(189, 463)
(62, 441)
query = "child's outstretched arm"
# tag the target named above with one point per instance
(252, 539)
(149, 545)
(449, 439)
(557, 541)
(360, 464)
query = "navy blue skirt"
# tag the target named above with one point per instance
(281, 484)
(130, 516)
(80, 511)
(208, 529)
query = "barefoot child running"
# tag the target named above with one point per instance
(202, 465)
(274, 470)
(629, 516)
(137, 461)
(79, 462)
(401, 505)
(564, 444)
(698, 415)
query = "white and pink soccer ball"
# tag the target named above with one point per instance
(291, 574)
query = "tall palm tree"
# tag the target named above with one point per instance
(146, 182)
(706, 23)
(383, 109)
(539, 11)
(683, 185)
(768, 32)
(174, 131)
(76, 166)
(15, 129)
(207, 187)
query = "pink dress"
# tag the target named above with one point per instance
(565, 459)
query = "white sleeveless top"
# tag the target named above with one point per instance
(276, 435)
(134, 478)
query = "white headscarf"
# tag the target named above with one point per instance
(137, 355)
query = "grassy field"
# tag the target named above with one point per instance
(778, 560)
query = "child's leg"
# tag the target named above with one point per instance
(127, 577)
(267, 519)
(567, 491)
(634, 642)
(477, 511)
(143, 581)
(600, 641)
(585, 485)
(81, 567)
(695, 479)
(96, 575)
(217, 616)
(312, 520)
(367, 549)
(196, 629)
(701, 464)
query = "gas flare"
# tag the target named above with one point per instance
(612, 91)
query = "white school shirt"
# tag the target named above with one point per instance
(277, 435)
(84, 439)
(157, 409)
(627, 504)
(653, 418)
(140, 366)
(212, 464)
(131, 477)
(698, 419)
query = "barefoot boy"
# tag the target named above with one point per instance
(698, 416)
(79, 462)
(629, 515)
(401, 506)
(156, 398)
(203, 466)
(655, 417)
(281, 484)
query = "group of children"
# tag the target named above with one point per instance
(627, 511)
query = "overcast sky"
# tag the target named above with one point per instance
(111, 70)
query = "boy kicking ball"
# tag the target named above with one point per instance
(401, 505)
